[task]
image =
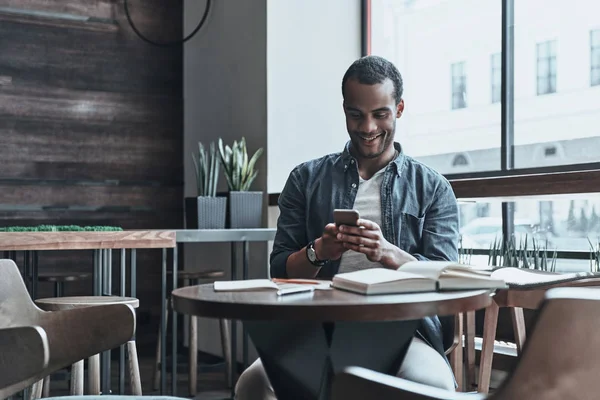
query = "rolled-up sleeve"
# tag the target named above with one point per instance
(440, 228)
(291, 225)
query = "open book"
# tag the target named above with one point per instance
(523, 278)
(279, 286)
(418, 276)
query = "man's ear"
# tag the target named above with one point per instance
(400, 109)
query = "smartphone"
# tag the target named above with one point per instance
(345, 217)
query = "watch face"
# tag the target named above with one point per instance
(311, 254)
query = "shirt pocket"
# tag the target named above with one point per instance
(411, 232)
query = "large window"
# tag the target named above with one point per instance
(459, 86)
(496, 77)
(547, 124)
(595, 57)
(546, 67)
(443, 54)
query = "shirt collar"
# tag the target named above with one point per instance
(347, 158)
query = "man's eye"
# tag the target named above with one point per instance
(354, 115)
(380, 115)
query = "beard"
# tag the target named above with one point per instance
(370, 149)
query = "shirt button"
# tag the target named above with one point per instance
(354, 186)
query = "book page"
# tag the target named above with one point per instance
(249, 284)
(523, 276)
(429, 269)
(374, 276)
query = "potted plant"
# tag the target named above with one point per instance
(209, 211)
(245, 206)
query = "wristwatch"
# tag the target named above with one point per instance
(311, 254)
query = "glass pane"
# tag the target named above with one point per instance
(562, 224)
(542, 69)
(480, 224)
(595, 37)
(542, 51)
(569, 118)
(424, 38)
(596, 77)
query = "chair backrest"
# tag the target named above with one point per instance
(16, 306)
(561, 359)
(24, 354)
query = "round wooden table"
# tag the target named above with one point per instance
(304, 339)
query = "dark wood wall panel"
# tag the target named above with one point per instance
(91, 125)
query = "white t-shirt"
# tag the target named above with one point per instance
(368, 204)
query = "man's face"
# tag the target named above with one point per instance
(371, 113)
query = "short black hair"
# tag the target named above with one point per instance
(370, 70)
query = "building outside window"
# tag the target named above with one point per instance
(546, 67)
(459, 85)
(595, 57)
(496, 74)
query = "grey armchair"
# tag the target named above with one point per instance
(560, 360)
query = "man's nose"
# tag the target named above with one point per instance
(369, 125)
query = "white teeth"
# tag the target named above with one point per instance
(370, 139)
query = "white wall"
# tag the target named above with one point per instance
(310, 44)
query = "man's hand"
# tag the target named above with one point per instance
(328, 247)
(368, 239)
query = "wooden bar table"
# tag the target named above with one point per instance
(102, 243)
(304, 339)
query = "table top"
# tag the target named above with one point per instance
(67, 303)
(323, 305)
(225, 235)
(87, 240)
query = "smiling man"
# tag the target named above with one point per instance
(408, 212)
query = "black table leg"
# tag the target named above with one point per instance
(34, 274)
(233, 360)
(122, 293)
(163, 325)
(106, 291)
(245, 257)
(174, 331)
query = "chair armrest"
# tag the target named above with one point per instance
(25, 353)
(79, 333)
(361, 383)
(458, 333)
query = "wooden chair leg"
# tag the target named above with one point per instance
(77, 379)
(487, 348)
(226, 345)
(134, 369)
(36, 390)
(469, 329)
(456, 356)
(193, 355)
(157, 367)
(518, 320)
(94, 375)
(46, 387)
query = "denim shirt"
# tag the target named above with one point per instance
(419, 214)
(419, 211)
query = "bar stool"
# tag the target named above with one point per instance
(60, 278)
(192, 278)
(67, 303)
